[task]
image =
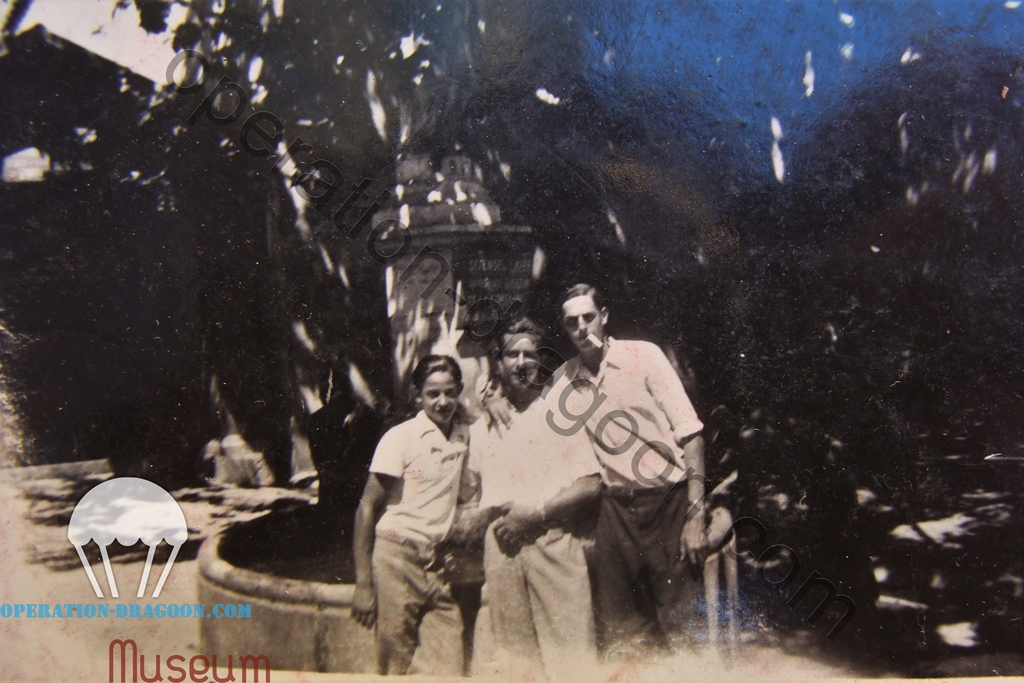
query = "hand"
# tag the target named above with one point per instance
(515, 528)
(693, 544)
(364, 606)
(471, 526)
(499, 411)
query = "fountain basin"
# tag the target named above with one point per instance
(300, 625)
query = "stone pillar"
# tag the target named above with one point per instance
(462, 272)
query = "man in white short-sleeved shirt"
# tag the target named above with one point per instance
(537, 583)
(407, 510)
(430, 467)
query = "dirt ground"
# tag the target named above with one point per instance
(76, 649)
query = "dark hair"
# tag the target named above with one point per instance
(584, 290)
(521, 325)
(428, 365)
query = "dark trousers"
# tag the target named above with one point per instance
(643, 592)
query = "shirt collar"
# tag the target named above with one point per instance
(425, 427)
(611, 359)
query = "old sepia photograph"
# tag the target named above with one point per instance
(511, 340)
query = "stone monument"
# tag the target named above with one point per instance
(457, 273)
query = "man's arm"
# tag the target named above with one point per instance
(667, 390)
(560, 508)
(693, 543)
(364, 601)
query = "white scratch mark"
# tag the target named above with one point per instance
(546, 97)
(808, 75)
(403, 215)
(28, 165)
(255, 68)
(989, 165)
(904, 140)
(619, 233)
(972, 172)
(328, 264)
(777, 162)
(299, 328)
(890, 602)
(907, 533)
(539, 259)
(847, 51)
(506, 170)
(380, 119)
(482, 25)
(909, 55)
(776, 129)
(875, 249)
(434, 197)
(960, 634)
(847, 19)
(481, 214)
(339, 60)
(912, 196)
(609, 55)
(410, 43)
(86, 135)
(1011, 4)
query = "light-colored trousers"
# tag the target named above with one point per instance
(541, 615)
(419, 626)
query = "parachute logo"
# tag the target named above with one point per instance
(127, 509)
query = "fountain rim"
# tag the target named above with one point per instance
(222, 573)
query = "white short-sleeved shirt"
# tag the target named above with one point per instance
(635, 419)
(527, 463)
(429, 467)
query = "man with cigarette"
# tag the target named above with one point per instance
(647, 437)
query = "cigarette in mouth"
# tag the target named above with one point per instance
(594, 340)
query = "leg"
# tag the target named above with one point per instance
(560, 599)
(622, 601)
(676, 589)
(483, 639)
(400, 583)
(440, 651)
(509, 606)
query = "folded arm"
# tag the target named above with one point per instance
(523, 521)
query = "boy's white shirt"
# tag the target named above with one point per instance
(429, 467)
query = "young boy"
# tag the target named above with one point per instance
(415, 473)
